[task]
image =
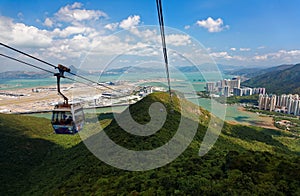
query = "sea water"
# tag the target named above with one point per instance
(10, 84)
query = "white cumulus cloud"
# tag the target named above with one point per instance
(72, 30)
(48, 22)
(130, 22)
(287, 55)
(20, 34)
(112, 26)
(224, 55)
(212, 25)
(74, 12)
(178, 40)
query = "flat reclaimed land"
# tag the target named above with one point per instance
(44, 98)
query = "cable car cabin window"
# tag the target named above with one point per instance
(62, 118)
(79, 119)
(79, 116)
(62, 122)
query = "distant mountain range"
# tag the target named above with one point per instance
(279, 80)
(245, 72)
(255, 71)
(210, 67)
(23, 75)
(131, 69)
(115, 71)
(189, 68)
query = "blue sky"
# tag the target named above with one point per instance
(234, 32)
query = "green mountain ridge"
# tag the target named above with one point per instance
(283, 79)
(244, 160)
(251, 72)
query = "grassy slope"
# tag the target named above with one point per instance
(244, 160)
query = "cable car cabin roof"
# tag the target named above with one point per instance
(67, 107)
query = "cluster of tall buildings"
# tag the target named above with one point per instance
(223, 87)
(248, 91)
(289, 104)
(229, 87)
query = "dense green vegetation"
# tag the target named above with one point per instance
(244, 160)
(278, 81)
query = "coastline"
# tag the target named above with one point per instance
(42, 100)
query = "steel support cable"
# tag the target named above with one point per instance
(47, 63)
(19, 51)
(37, 67)
(164, 46)
(20, 61)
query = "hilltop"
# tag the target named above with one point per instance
(244, 160)
(278, 80)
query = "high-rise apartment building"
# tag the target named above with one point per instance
(247, 91)
(267, 102)
(210, 86)
(272, 103)
(237, 91)
(259, 91)
(226, 91)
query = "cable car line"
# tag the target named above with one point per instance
(37, 67)
(20, 61)
(164, 46)
(56, 67)
(19, 51)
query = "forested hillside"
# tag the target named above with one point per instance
(281, 80)
(244, 160)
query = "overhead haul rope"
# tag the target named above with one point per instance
(56, 67)
(163, 40)
(19, 51)
(31, 65)
(37, 67)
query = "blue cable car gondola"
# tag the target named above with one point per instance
(66, 118)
